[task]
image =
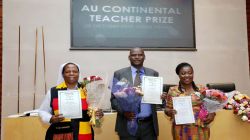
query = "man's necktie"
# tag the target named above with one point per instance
(137, 80)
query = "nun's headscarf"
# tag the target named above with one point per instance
(60, 78)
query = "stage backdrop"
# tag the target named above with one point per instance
(121, 24)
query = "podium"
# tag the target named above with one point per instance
(226, 126)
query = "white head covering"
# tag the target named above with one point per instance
(60, 78)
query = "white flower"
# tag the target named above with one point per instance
(242, 108)
(245, 103)
(121, 83)
(248, 109)
(239, 112)
(244, 118)
(231, 101)
(197, 94)
(229, 106)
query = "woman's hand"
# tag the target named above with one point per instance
(56, 118)
(209, 118)
(164, 95)
(170, 112)
(99, 113)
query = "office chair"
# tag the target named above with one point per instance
(166, 87)
(224, 87)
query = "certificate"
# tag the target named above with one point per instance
(183, 106)
(69, 103)
(152, 89)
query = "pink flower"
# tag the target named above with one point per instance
(241, 106)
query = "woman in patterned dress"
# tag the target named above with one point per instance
(200, 129)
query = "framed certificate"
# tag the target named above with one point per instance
(152, 89)
(69, 103)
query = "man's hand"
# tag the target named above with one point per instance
(129, 115)
(138, 91)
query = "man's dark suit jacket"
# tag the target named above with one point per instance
(121, 121)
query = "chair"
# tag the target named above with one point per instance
(225, 87)
(166, 87)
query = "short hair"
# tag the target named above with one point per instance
(180, 66)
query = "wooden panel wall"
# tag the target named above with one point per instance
(1, 56)
(248, 29)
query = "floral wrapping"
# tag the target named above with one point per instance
(213, 100)
(129, 99)
(96, 90)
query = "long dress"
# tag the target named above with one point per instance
(195, 131)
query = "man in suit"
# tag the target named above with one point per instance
(147, 118)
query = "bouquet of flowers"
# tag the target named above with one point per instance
(213, 100)
(96, 90)
(129, 99)
(240, 103)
